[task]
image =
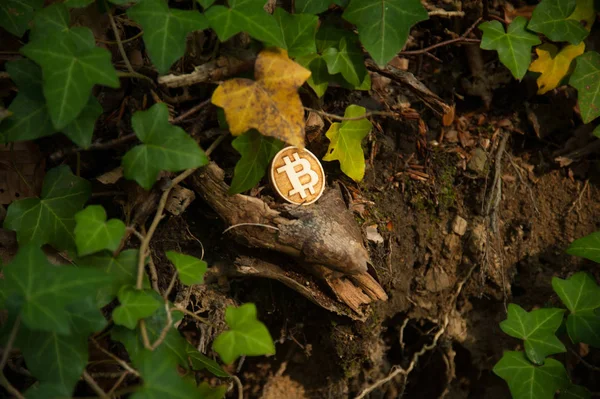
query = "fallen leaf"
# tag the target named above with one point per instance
(270, 104)
(346, 143)
(554, 65)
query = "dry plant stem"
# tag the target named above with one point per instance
(250, 224)
(192, 315)
(356, 118)
(153, 274)
(120, 362)
(446, 14)
(94, 385)
(10, 342)
(9, 387)
(170, 287)
(121, 48)
(164, 331)
(397, 370)
(95, 146)
(118, 383)
(583, 361)
(462, 39)
(191, 111)
(240, 387)
(496, 190)
(579, 197)
(137, 36)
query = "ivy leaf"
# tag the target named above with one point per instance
(346, 143)
(71, 66)
(200, 361)
(245, 16)
(552, 18)
(554, 65)
(246, 335)
(347, 60)
(57, 361)
(81, 130)
(270, 104)
(527, 381)
(208, 392)
(537, 328)
(16, 14)
(44, 290)
(383, 26)
(586, 79)
(122, 271)
(189, 268)
(93, 233)
(206, 3)
(135, 305)
(513, 46)
(165, 147)
(52, 19)
(30, 119)
(581, 295)
(319, 77)
(587, 247)
(161, 379)
(165, 30)
(50, 220)
(575, 392)
(312, 6)
(257, 152)
(298, 32)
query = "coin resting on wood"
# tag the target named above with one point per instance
(323, 236)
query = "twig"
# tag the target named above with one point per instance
(95, 146)
(165, 330)
(191, 111)
(122, 49)
(193, 315)
(446, 14)
(9, 387)
(250, 224)
(153, 274)
(119, 382)
(94, 385)
(240, 387)
(356, 118)
(462, 39)
(120, 362)
(402, 327)
(583, 361)
(578, 200)
(170, 287)
(10, 342)
(216, 143)
(137, 36)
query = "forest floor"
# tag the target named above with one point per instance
(461, 216)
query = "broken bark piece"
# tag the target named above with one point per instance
(324, 237)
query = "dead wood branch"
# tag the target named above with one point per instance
(212, 71)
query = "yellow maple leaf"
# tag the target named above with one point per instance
(554, 65)
(271, 103)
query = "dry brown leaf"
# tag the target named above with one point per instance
(270, 104)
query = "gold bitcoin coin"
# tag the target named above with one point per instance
(297, 176)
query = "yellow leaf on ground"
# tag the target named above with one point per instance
(270, 104)
(553, 64)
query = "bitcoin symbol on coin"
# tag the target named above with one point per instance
(290, 170)
(297, 176)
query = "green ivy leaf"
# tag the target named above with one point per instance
(161, 379)
(165, 147)
(537, 328)
(50, 220)
(575, 392)
(257, 151)
(93, 233)
(383, 26)
(16, 14)
(57, 361)
(135, 305)
(246, 335)
(200, 361)
(81, 130)
(298, 32)
(347, 60)
(245, 16)
(581, 295)
(165, 30)
(206, 3)
(527, 381)
(78, 3)
(189, 268)
(48, 390)
(551, 17)
(513, 46)
(587, 247)
(208, 392)
(320, 77)
(71, 66)
(312, 6)
(44, 290)
(346, 142)
(122, 271)
(30, 119)
(586, 79)
(52, 19)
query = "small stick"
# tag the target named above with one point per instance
(9, 387)
(356, 118)
(250, 224)
(191, 111)
(94, 385)
(462, 39)
(10, 342)
(446, 14)
(240, 387)
(578, 200)
(119, 382)
(120, 362)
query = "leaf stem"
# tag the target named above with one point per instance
(94, 385)
(355, 118)
(462, 39)
(10, 342)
